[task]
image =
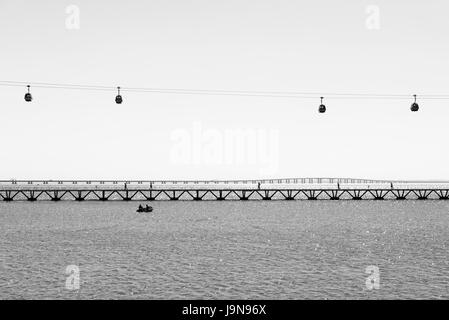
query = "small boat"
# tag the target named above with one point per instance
(145, 209)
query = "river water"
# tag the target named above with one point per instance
(225, 250)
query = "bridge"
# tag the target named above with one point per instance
(220, 190)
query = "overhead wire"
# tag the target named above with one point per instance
(241, 93)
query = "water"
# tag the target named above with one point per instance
(225, 250)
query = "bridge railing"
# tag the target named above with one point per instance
(196, 182)
(300, 183)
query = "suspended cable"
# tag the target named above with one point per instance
(271, 94)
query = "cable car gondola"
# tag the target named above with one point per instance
(322, 107)
(118, 98)
(28, 96)
(415, 106)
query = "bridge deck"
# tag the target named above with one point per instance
(220, 190)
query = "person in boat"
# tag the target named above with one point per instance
(140, 207)
(147, 208)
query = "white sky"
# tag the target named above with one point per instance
(263, 45)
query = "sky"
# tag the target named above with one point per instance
(378, 47)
